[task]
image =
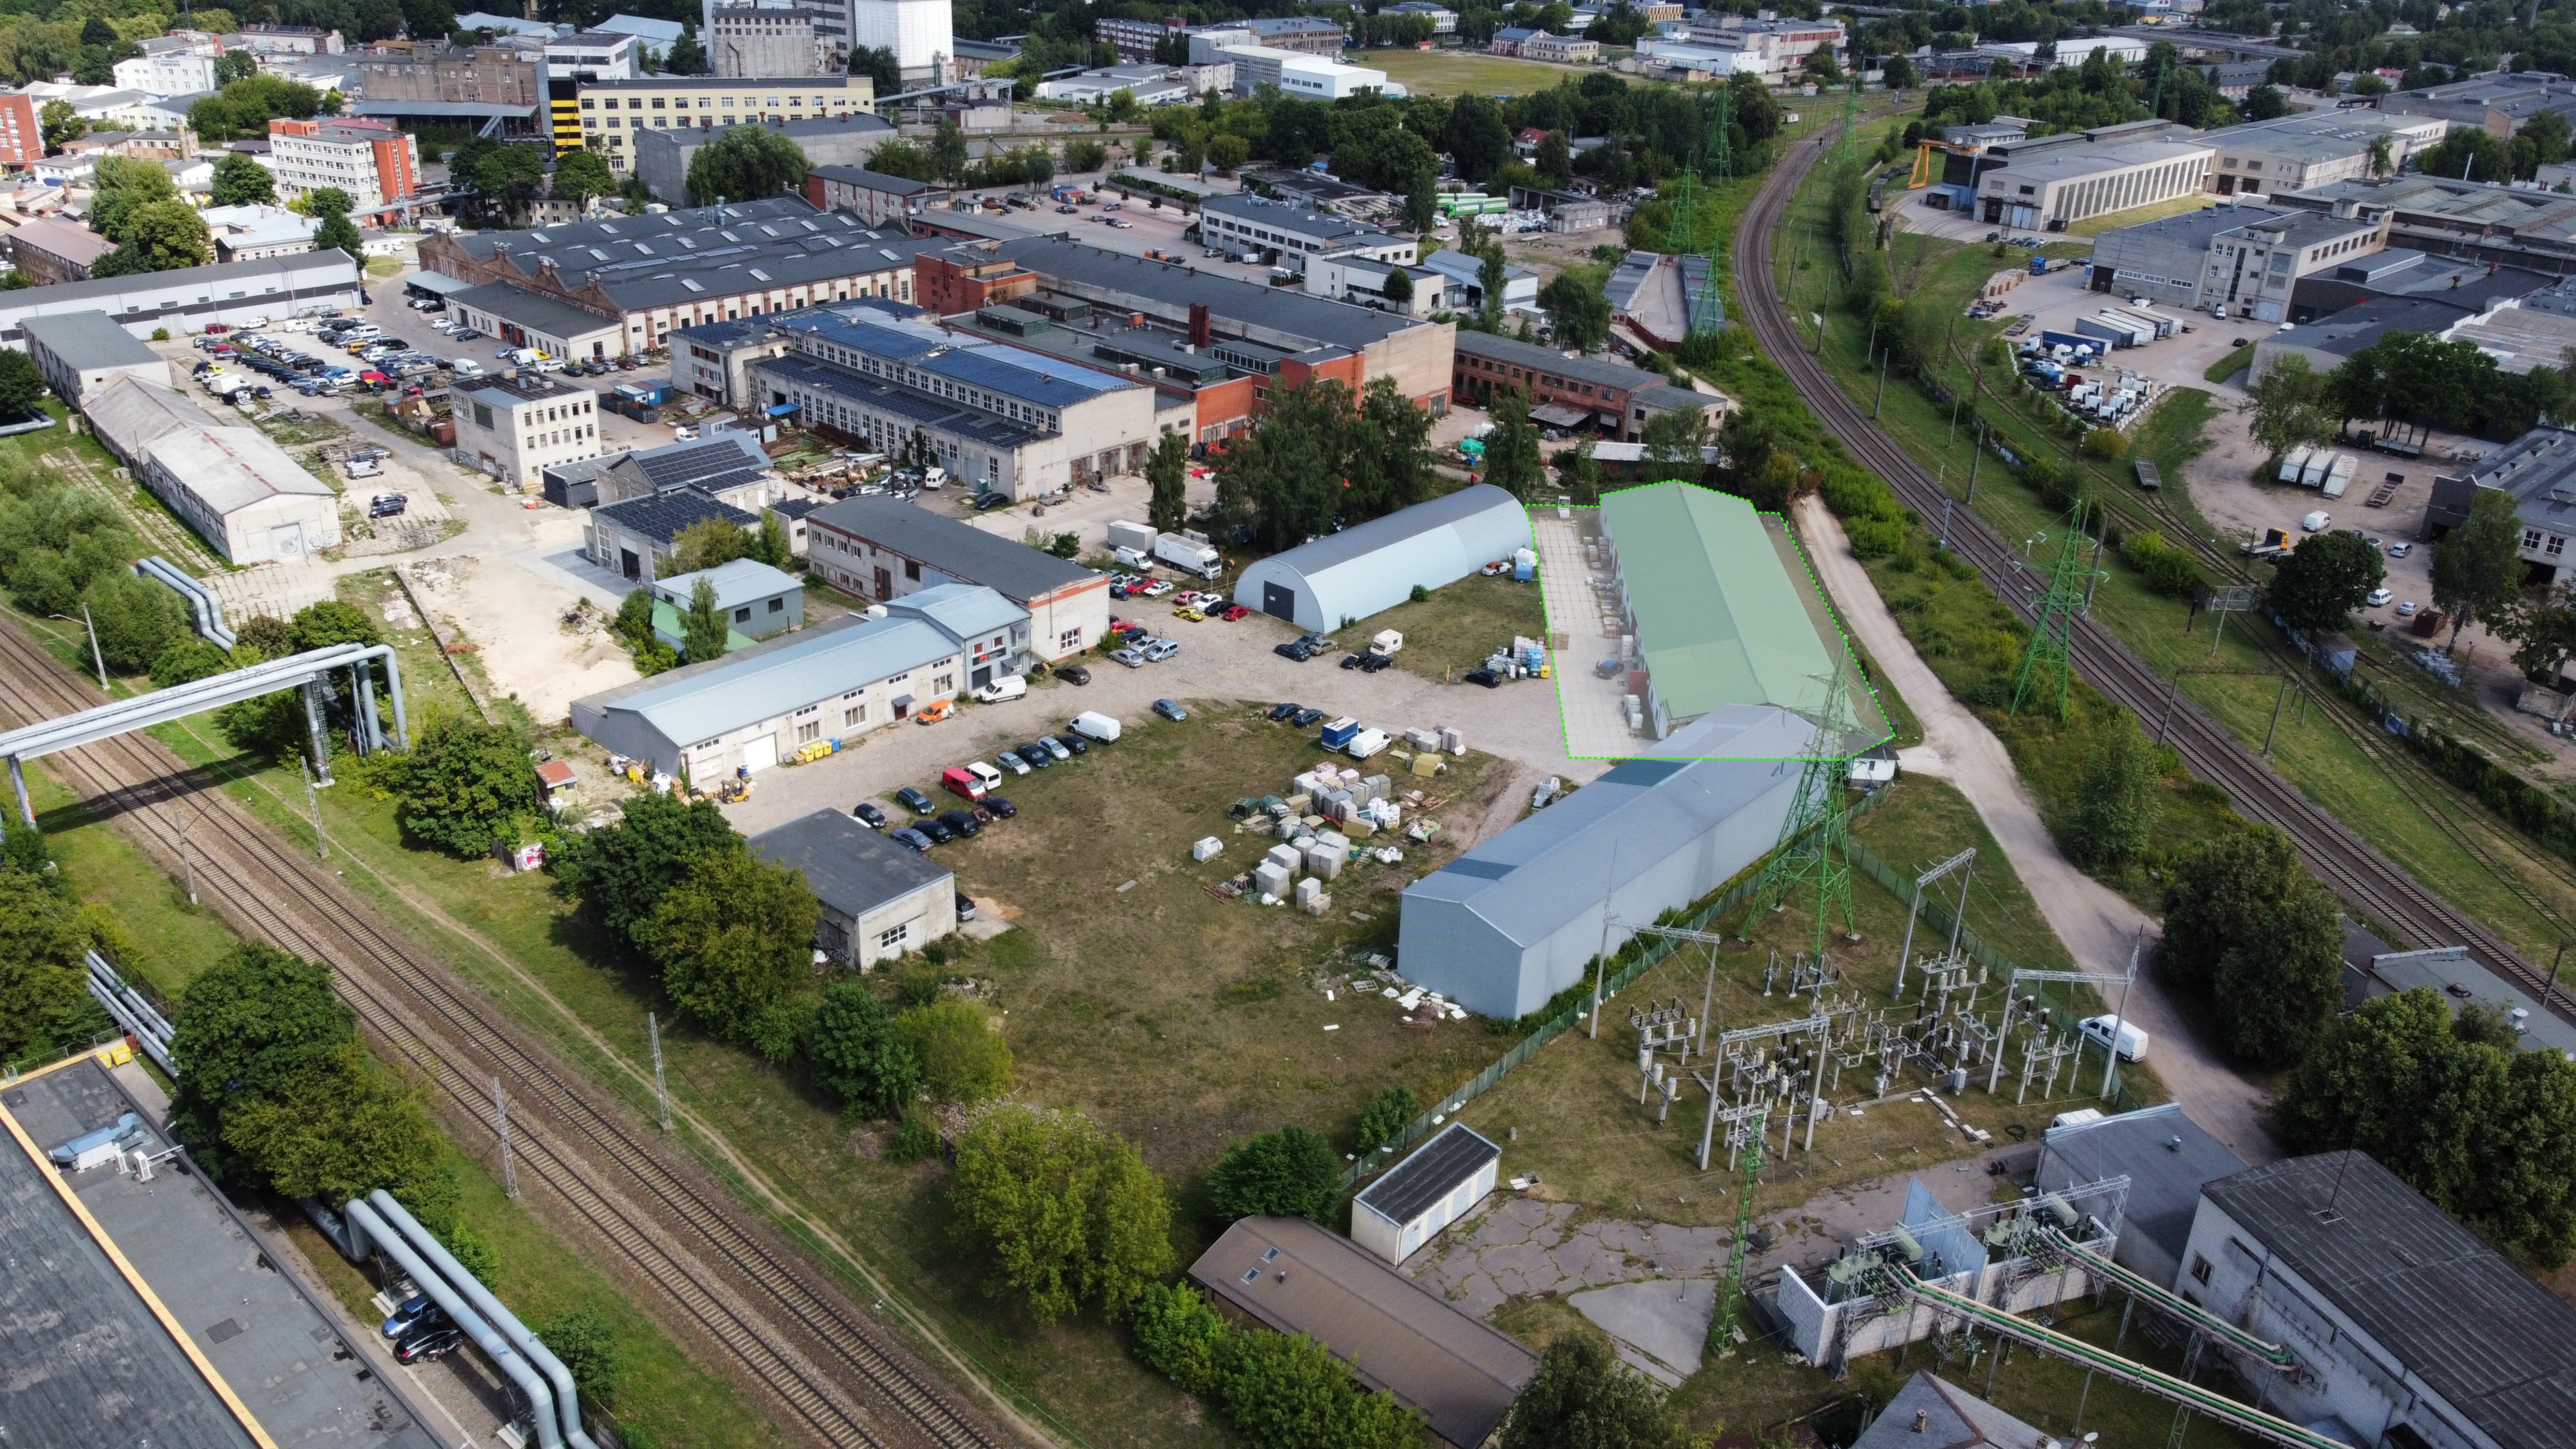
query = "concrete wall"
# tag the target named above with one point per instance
(922, 915)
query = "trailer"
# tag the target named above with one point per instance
(2130, 331)
(2314, 475)
(2078, 341)
(2339, 475)
(2162, 325)
(1125, 533)
(2295, 462)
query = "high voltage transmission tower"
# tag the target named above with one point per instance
(2048, 660)
(1707, 306)
(1851, 109)
(1813, 856)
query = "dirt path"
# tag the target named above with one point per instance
(2097, 924)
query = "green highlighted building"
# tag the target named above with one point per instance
(1705, 582)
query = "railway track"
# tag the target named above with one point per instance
(2375, 887)
(826, 1367)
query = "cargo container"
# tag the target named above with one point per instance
(2119, 331)
(1124, 533)
(2078, 341)
(2314, 475)
(2339, 476)
(1340, 732)
(2155, 322)
(2294, 462)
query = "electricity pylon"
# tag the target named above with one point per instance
(2047, 661)
(1721, 1336)
(1851, 109)
(1708, 306)
(1813, 855)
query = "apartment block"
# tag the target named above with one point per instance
(370, 160)
(611, 111)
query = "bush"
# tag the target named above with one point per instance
(135, 617)
(916, 1139)
(1385, 1116)
(462, 785)
(1071, 1216)
(2108, 444)
(1277, 1391)
(962, 1058)
(2160, 565)
(188, 660)
(1875, 537)
(1290, 1173)
(854, 1054)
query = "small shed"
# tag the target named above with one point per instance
(560, 784)
(756, 600)
(2167, 1158)
(879, 899)
(1375, 566)
(1440, 1183)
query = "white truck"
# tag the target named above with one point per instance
(1127, 534)
(1190, 553)
(229, 386)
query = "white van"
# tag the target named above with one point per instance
(2133, 1039)
(466, 367)
(991, 778)
(1009, 686)
(2317, 522)
(1093, 725)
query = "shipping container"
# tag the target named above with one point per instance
(2314, 475)
(1125, 533)
(1340, 732)
(2294, 462)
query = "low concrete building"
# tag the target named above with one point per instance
(2167, 1158)
(2246, 261)
(1290, 1276)
(2538, 470)
(1596, 393)
(712, 359)
(886, 549)
(242, 493)
(632, 538)
(1560, 49)
(2315, 148)
(1287, 234)
(1438, 1183)
(48, 251)
(2079, 183)
(254, 233)
(755, 600)
(514, 428)
(1520, 284)
(240, 294)
(880, 899)
(80, 352)
(1146, 85)
(839, 679)
(1371, 567)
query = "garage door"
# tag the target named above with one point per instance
(1279, 601)
(286, 540)
(761, 753)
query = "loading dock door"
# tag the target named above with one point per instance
(1279, 601)
(761, 753)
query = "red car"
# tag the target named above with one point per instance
(1234, 612)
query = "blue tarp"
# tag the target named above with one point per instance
(783, 409)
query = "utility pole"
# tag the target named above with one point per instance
(313, 802)
(661, 1092)
(1882, 388)
(1974, 459)
(188, 862)
(501, 1124)
(97, 660)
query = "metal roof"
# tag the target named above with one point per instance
(998, 367)
(1414, 1186)
(704, 701)
(160, 291)
(1009, 568)
(662, 258)
(535, 311)
(968, 611)
(440, 110)
(1953, 1418)
(2478, 1330)
(1719, 620)
(1599, 370)
(1326, 226)
(661, 516)
(1356, 543)
(1552, 866)
(908, 403)
(2166, 1156)
(852, 869)
(233, 468)
(129, 414)
(85, 340)
(1295, 1277)
(739, 582)
(867, 180)
(1073, 267)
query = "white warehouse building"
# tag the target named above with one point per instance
(1511, 923)
(242, 493)
(1374, 567)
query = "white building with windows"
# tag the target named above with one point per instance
(515, 428)
(836, 680)
(879, 898)
(1287, 229)
(886, 549)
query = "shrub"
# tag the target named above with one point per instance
(916, 1139)
(2160, 565)
(1071, 1216)
(1875, 537)
(962, 1058)
(1385, 1116)
(1290, 1173)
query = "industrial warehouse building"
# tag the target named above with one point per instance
(242, 493)
(885, 548)
(78, 352)
(185, 300)
(879, 899)
(2071, 183)
(837, 680)
(2408, 1329)
(1511, 923)
(2244, 260)
(1290, 1276)
(1360, 571)
(1717, 617)
(2167, 1158)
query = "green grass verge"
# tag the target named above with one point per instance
(2230, 365)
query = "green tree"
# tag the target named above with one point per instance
(1070, 1215)
(502, 178)
(1512, 448)
(327, 623)
(1084, 157)
(1673, 445)
(1289, 1392)
(1555, 159)
(855, 1055)
(2116, 802)
(253, 1025)
(948, 150)
(1398, 286)
(2316, 586)
(21, 385)
(45, 1005)
(1389, 462)
(881, 65)
(2265, 103)
(703, 630)
(235, 65)
(1477, 138)
(1289, 1173)
(585, 1340)
(689, 57)
(2247, 927)
(2286, 405)
(463, 784)
(620, 873)
(1167, 476)
(244, 107)
(962, 1058)
(1283, 479)
(60, 126)
(581, 175)
(241, 181)
(1579, 309)
(161, 236)
(122, 187)
(339, 234)
(1584, 1398)
(326, 201)
(2477, 566)
(2468, 153)
(187, 660)
(1387, 1114)
(1898, 73)
(345, 1131)
(734, 940)
(2220, 894)
(136, 619)
(769, 544)
(705, 544)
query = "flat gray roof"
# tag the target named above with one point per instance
(93, 1365)
(853, 869)
(1013, 570)
(84, 340)
(2166, 1156)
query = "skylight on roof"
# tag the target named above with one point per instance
(538, 236)
(888, 255)
(757, 272)
(596, 252)
(641, 250)
(608, 228)
(729, 236)
(692, 284)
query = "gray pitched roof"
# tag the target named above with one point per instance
(1953, 1418)
(1603, 370)
(550, 315)
(2479, 1331)
(865, 179)
(1406, 1191)
(852, 869)
(1075, 266)
(702, 701)
(1013, 570)
(84, 340)
(652, 260)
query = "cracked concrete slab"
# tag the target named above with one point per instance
(1665, 1321)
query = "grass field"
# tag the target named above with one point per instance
(1458, 72)
(1454, 629)
(2445, 838)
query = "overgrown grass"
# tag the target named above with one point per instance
(1453, 629)
(2230, 365)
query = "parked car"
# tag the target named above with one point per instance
(961, 821)
(1037, 755)
(412, 1313)
(987, 502)
(1012, 762)
(957, 781)
(1160, 650)
(1070, 741)
(1371, 663)
(1170, 710)
(2400, 550)
(2406, 610)
(1297, 649)
(1285, 710)
(1352, 661)
(387, 505)
(934, 712)
(1054, 747)
(936, 828)
(1131, 658)
(1306, 717)
(965, 906)
(1073, 674)
(869, 815)
(914, 801)
(914, 838)
(433, 1341)
(2378, 597)
(1009, 686)
(1233, 612)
